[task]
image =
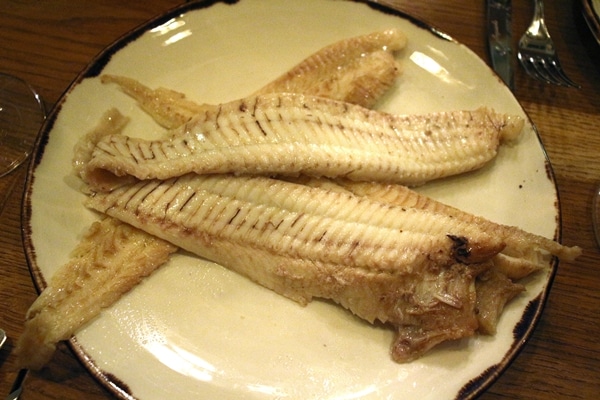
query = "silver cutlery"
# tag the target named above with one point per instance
(500, 39)
(537, 53)
(17, 386)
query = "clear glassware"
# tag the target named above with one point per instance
(22, 113)
(596, 214)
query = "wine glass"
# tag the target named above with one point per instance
(596, 214)
(22, 112)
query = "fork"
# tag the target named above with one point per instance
(537, 53)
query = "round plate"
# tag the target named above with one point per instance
(196, 330)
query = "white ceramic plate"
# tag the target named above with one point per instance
(196, 330)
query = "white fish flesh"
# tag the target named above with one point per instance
(110, 260)
(356, 70)
(410, 268)
(291, 134)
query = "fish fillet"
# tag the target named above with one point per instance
(364, 69)
(425, 268)
(431, 272)
(112, 258)
(520, 244)
(344, 69)
(290, 134)
(357, 70)
(410, 268)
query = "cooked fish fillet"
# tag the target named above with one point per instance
(381, 261)
(112, 258)
(298, 220)
(407, 267)
(357, 70)
(524, 252)
(289, 134)
(168, 108)
(361, 80)
(111, 123)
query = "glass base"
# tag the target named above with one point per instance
(21, 116)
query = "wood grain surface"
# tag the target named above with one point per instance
(48, 42)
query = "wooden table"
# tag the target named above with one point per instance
(48, 42)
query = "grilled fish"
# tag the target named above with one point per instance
(383, 259)
(290, 134)
(112, 258)
(410, 268)
(357, 70)
(525, 246)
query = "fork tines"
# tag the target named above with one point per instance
(545, 69)
(537, 53)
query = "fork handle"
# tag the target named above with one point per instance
(538, 15)
(538, 12)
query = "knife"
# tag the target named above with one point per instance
(17, 387)
(499, 39)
